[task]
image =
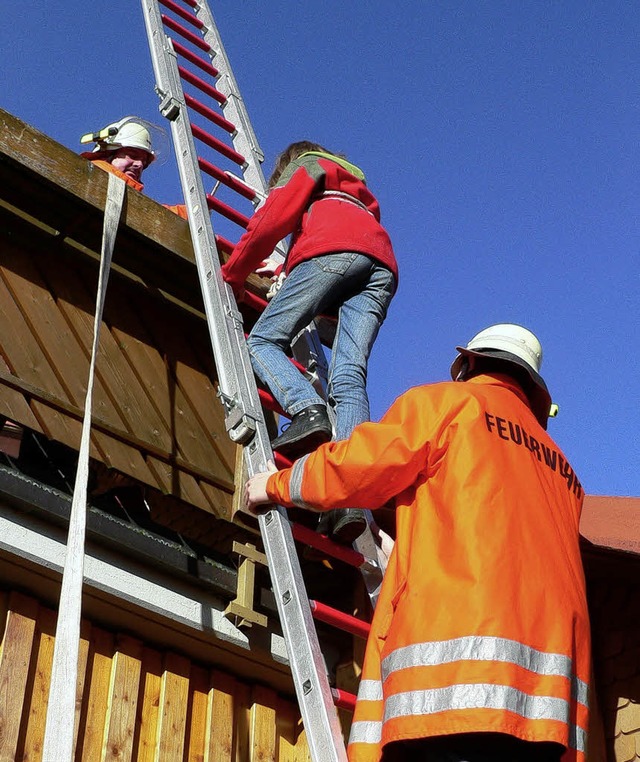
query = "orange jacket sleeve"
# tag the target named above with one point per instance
(378, 462)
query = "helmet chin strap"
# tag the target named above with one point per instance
(465, 368)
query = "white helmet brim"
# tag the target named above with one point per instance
(528, 357)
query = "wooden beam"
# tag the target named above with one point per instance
(242, 605)
(61, 191)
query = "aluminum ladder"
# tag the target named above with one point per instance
(237, 387)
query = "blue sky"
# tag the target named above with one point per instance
(501, 139)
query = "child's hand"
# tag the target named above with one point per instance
(269, 268)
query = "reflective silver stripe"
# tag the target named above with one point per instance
(366, 732)
(370, 690)
(577, 738)
(371, 732)
(482, 696)
(461, 697)
(485, 648)
(475, 696)
(295, 484)
(579, 691)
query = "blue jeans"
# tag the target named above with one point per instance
(361, 289)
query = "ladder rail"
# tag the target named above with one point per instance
(243, 414)
(244, 141)
(308, 346)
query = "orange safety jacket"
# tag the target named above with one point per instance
(108, 167)
(482, 622)
(179, 209)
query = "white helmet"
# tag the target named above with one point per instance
(511, 343)
(130, 132)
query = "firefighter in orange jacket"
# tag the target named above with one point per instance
(124, 149)
(479, 648)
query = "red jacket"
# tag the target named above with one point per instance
(482, 622)
(302, 205)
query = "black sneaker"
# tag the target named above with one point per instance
(308, 429)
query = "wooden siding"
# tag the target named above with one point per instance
(135, 701)
(156, 415)
(615, 614)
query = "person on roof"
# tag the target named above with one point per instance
(340, 261)
(479, 647)
(125, 149)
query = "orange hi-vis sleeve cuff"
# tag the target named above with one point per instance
(278, 488)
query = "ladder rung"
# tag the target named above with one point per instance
(206, 67)
(297, 365)
(210, 114)
(254, 301)
(194, 20)
(227, 211)
(202, 85)
(343, 700)
(189, 36)
(320, 542)
(226, 179)
(269, 401)
(281, 461)
(339, 619)
(224, 244)
(217, 145)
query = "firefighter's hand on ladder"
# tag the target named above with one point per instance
(255, 490)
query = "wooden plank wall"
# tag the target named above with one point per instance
(135, 702)
(157, 418)
(615, 625)
(156, 415)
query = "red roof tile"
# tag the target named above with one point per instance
(612, 522)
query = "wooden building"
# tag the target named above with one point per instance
(165, 675)
(169, 671)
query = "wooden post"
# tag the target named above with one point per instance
(242, 605)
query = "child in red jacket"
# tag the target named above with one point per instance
(340, 261)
